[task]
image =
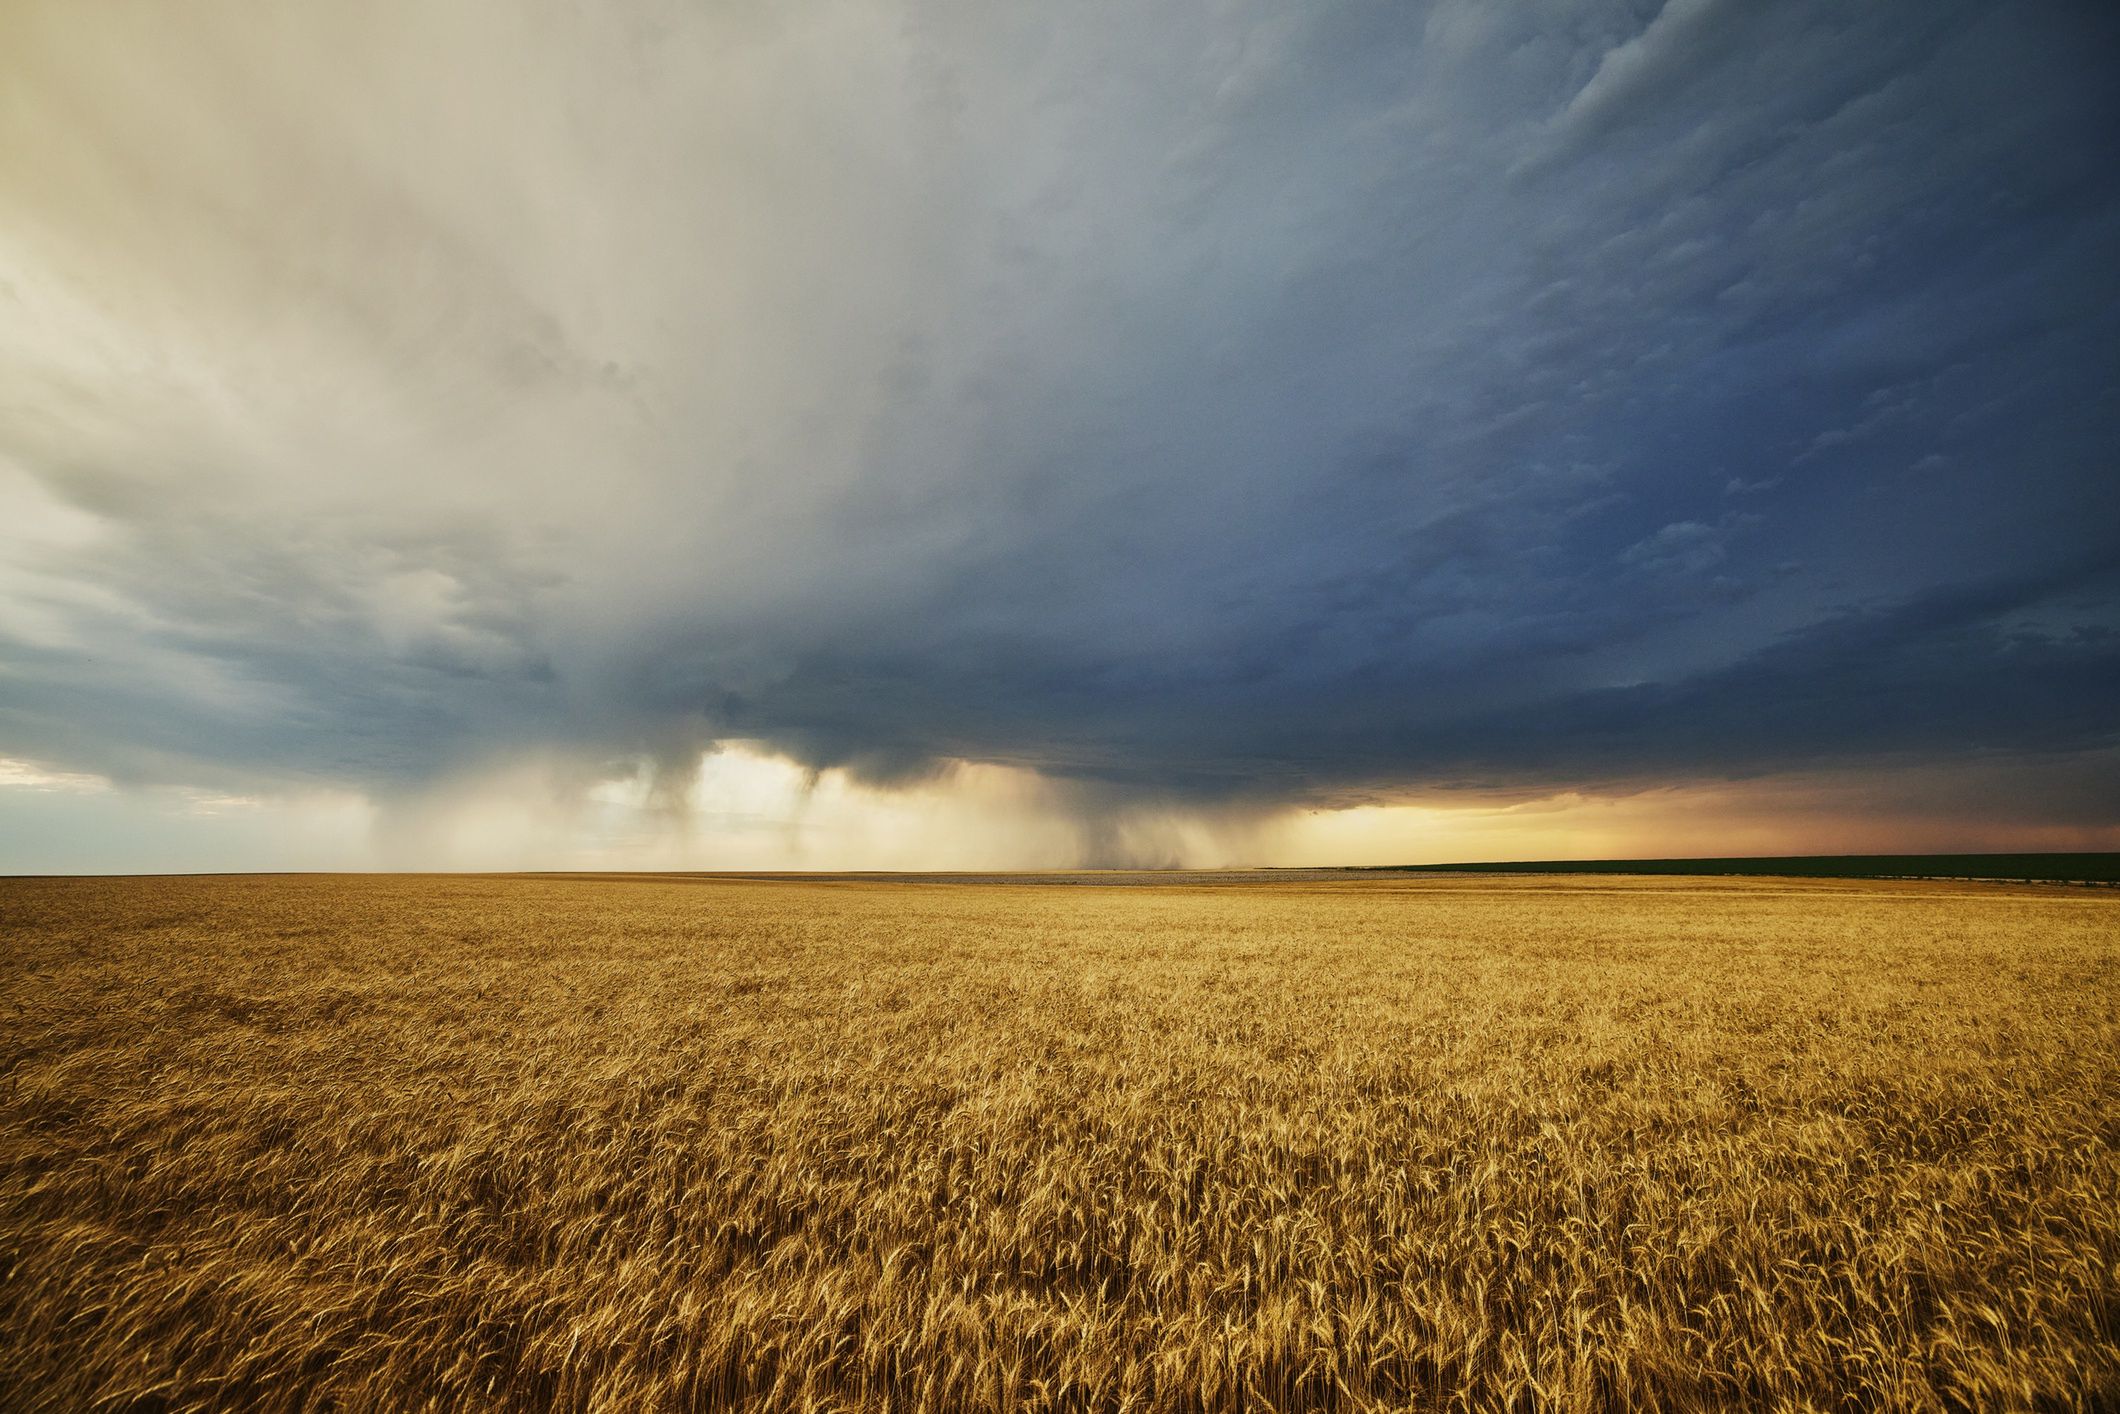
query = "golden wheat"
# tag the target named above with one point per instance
(589, 1144)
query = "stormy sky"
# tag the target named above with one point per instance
(908, 433)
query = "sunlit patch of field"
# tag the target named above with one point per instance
(489, 1143)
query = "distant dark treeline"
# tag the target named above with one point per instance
(2084, 868)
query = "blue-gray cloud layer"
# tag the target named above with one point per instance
(1287, 402)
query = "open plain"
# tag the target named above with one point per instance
(1302, 1142)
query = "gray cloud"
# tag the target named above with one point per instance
(1274, 405)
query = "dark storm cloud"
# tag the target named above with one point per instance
(1283, 404)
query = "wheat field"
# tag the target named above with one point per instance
(472, 1143)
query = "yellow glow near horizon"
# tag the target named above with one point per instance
(744, 807)
(1782, 817)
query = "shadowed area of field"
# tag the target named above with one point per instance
(2079, 867)
(1298, 1142)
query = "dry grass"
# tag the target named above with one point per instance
(469, 1143)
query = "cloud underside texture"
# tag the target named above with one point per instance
(1270, 403)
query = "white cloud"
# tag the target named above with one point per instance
(22, 775)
